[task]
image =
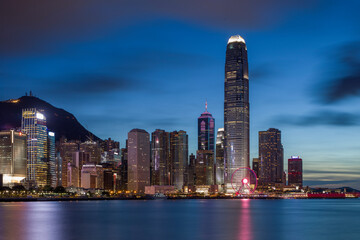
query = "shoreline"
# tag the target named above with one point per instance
(150, 198)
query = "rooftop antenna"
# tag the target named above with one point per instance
(206, 105)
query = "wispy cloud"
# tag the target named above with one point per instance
(321, 118)
(343, 75)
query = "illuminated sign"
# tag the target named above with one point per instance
(40, 116)
(51, 134)
(295, 157)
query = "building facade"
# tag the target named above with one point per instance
(13, 159)
(271, 159)
(204, 167)
(33, 124)
(160, 164)
(295, 171)
(138, 160)
(178, 158)
(51, 159)
(220, 156)
(206, 131)
(236, 110)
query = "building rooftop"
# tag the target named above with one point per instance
(236, 38)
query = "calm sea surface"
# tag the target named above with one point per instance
(182, 219)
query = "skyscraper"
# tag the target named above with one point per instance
(206, 125)
(66, 148)
(12, 157)
(178, 157)
(138, 160)
(51, 159)
(204, 167)
(271, 157)
(295, 172)
(160, 164)
(34, 125)
(236, 110)
(220, 156)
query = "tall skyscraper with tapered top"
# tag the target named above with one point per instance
(236, 111)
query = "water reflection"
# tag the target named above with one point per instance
(43, 220)
(31, 220)
(245, 224)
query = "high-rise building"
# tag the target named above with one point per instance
(255, 166)
(51, 159)
(138, 160)
(94, 149)
(206, 126)
(271, 157)
(124, 168)
(108, 144)
(236, 110)
(295, 171)
(204, 167)
(12, 157)
(178, 157)
(220, 156)
(160, 164)
(191, 170)
(79, 159)
(66, 149)
(33, 123)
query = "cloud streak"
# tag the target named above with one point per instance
(322, 118)
(344, 75)
(35, 23)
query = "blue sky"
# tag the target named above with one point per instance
(152, 64)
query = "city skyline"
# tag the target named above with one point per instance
(316, 125)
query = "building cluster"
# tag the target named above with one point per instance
(156, 163)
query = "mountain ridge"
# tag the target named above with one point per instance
(58, 120)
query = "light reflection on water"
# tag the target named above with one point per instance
(182, 219)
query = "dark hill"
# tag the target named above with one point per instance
(58, 120)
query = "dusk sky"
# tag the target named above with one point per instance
(119, 65)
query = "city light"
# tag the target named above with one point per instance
(40, 116)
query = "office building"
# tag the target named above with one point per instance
(66, 149)
(138, 160)
(33, 124)
(179, 158)
(206, 126)
(204, 168)
(271, 159)
(220, 156)
(295, 171)
(94, 149)
(51, 159)
(92, 176)
(160, 164)
(236, 111)
(13, 157)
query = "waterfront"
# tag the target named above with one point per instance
(185, 219)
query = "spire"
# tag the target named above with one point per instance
(205, 105)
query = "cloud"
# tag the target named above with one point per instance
(33, 25)
(84, 84)
(322, 118)
(343, 81)
(336, 172)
